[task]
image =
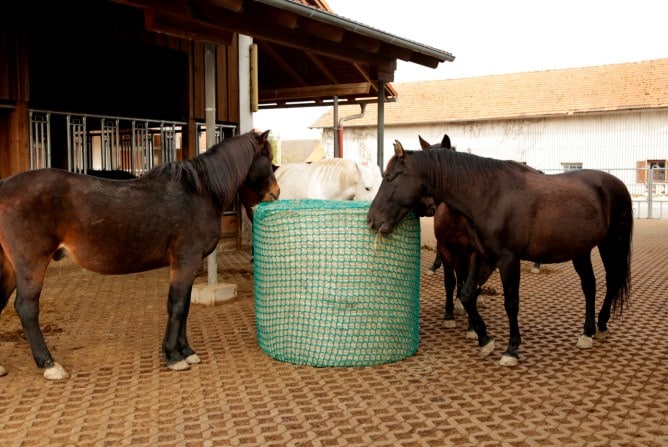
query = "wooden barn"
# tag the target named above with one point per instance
(612, 117)
(124, 84)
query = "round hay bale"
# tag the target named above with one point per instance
(330, 292)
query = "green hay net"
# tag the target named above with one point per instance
(330, 292)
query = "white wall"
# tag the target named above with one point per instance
(607, 141)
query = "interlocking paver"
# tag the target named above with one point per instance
(107, 330)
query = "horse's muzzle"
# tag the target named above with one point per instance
(384, 227)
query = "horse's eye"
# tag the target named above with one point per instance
(391, 176)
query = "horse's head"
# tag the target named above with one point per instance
(369, 182)
(260, 184)
(427, 206)
(402, 190)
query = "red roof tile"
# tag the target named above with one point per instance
(607, 88)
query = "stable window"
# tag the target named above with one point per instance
(658, 168)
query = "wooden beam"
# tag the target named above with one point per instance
(328, 91)
(323, 31)
(177, 7)
(185, 28)
(232, 5)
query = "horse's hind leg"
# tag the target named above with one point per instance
(28, 290)
(614, 283)
(7, 287)
(510, 277)
(584, 269)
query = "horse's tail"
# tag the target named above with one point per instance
(618, 242)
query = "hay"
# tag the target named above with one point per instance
(330, 292)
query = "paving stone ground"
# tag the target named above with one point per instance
(107, 330)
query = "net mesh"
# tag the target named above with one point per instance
(330, 292)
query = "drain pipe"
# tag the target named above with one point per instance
(348, 118)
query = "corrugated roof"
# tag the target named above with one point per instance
(606, 88)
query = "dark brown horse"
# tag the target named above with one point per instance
(170, 216)
(518, 213)
(454, 249)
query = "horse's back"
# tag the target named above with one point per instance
(292, 179)
(332, 179)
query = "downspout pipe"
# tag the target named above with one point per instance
(340, 126)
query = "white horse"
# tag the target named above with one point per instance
(328, 179)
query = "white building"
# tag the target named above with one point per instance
(612, 117)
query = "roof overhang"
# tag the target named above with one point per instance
(306, 55)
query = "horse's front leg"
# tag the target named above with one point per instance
(184, 348)
(480, 270)
(510, 278)
(175, 348)
(584, 269)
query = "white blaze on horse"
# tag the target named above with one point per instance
(329, 179)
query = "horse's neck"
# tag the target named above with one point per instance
(456, 187)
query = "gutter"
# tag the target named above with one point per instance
(339, 129)
(356, 27)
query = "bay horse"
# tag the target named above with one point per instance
(329, 179)
(517, 213)
(169, 216)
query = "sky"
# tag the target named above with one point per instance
(498, 37)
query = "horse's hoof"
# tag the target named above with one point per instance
(181, 365)
(601, 335)
(481, 302)
(585, 342)
(193, 359)
(535, 270)
(508, 360)
(471, 335)
(459, 308)
(430, 272)
(449, 324)
(56, 372)
(487, 349)
(3, 371)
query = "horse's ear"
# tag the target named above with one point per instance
(264, 136)
(398, 149)
(424, 144)
(445, 142)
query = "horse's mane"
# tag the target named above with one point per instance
(459, 165)
(221, 169)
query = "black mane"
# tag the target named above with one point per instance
(444, 166)
(221, 169)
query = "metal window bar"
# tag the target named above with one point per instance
(168, 142)
(77, 144)
(142, 153)
(219, 134)
(40, 140)
(110, 142)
